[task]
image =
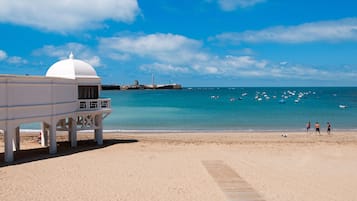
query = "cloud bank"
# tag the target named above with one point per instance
(171, 54)
(175, 54)
(330, 31)
(67, 16)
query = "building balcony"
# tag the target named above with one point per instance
(94, 104)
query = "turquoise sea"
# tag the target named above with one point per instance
(231, 109)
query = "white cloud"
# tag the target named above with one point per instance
(69, 15)
(169, 48)
(300, 72)
(176, 54)
(283, 63)
(230, 5)
(94, 61)
(248, 66)
(62, 52)
(3, 55)
(230, 65)
(164, 68)
(16, 60)
(211, 70)
(242, 62)
(332, 31)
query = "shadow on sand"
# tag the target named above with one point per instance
(63, 149)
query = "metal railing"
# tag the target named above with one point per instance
(94, 104)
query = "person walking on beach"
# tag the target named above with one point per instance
(328, 128)
(308, 126)
(317, 127)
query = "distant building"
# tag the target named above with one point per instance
(136, 85)
(66, 99)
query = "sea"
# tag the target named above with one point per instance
(232, 109)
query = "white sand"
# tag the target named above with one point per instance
(168, 166)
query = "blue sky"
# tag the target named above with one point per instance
(191, 42)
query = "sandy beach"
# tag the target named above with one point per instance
(185, 166)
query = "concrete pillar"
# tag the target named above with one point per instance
(98, 133)
(53, 141)
(16, 140)
(44, 134)
(72, 132)
(8, 143)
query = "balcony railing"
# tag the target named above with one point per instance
(94, 104)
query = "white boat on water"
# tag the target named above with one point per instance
(342, 106)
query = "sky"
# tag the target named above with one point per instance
(196, 43)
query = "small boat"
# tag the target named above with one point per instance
(282, 101)
(342, 106)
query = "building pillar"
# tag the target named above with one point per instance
(72, 132)
(44, 134)
(98, 132)
(16, 145)
(8, 143)
(53, 141)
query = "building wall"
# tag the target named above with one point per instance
(28, 98)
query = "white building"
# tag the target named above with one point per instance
(66, 99)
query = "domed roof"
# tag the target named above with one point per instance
(71, 68)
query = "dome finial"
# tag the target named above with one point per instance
(71, 56)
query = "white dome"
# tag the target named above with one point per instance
(71, 68)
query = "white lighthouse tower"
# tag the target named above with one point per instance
(66, 99)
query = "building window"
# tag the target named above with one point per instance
(87, 92)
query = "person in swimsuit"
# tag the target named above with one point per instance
(317, 127)
(308, 126)
(328, 128)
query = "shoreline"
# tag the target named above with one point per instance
(200, 131)
(29, 138)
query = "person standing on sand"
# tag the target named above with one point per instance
(317, 127)
(328, 128)
(308, 126)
